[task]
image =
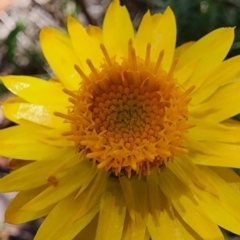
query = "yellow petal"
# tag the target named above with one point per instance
(211, 49)
(161, 220)
(223, 104)
(217, 52)
(135, 194)
(58, 51)
(12, 117)
(135, 229)
(229, 176)
(218, 213)
(15, 215)
(117, 29)
(154, 199)
(89, 231)
(78, 225)
(187, 231)
(44, 115)
(90, 197)
(67, 184)
(211, 131)
(182, 49)
(88, 179)
(112, 210)
(224, 209)
(191, 174)
(221, 161)
(35, 90)
(215, 154)
(185, 203)
(84, 45)
(225, 73)
(24, 145)
(95, 32)
(25, 177)
(144, 34)
(55, 226)
(54, 137)
(170, 227)
(78, 212)
(164, 35)
(183, 74)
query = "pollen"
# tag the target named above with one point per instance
(53, 180)
(128, 117)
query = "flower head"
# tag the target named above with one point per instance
(129, 117)
(131, 139)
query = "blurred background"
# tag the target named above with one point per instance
(21, 21)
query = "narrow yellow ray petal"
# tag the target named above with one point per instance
(187, 231)
(214, 160)
(217, 212)
(89, 231)
(231, 177)
(24, 145)
(214, 154)
(39, 114)
(15, 215)
(216, 54)
(12, 117)
(117, 29)
(161, 220)
(25, 177)
(144, 34)
(135, 229)
(67, 184)
(190, 174)
(211, 131)
(195, 146)
(58, 51)
(84, 45)
(164, 38)
(112, 210)
(154, 200)
(54, 137)
(95, 32)
(223, 104)
(227, 72)
(20, 133)
(147, 235)
(214, 46)
(27, 151)
(135, 194)
(184, 73)
(170, 227)
(230, 195)
(182, 49)
(88, 179)
(78, 212)
(92, 194)
(185, 203)
(35, 90)
(224, 209)
(78, 225)
(67, 228)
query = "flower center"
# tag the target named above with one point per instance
(128, 117)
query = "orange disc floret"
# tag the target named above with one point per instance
(129, 117)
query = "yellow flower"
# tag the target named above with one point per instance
(132, 139)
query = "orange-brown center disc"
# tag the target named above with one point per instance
(128, 117)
